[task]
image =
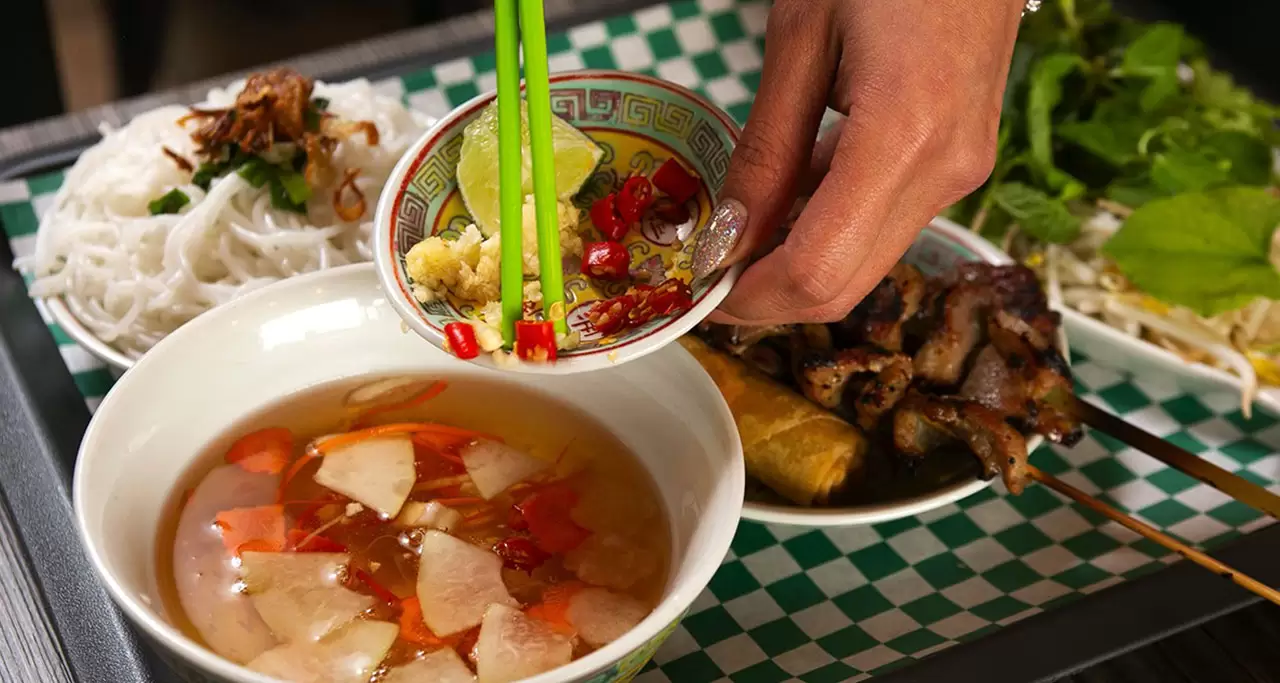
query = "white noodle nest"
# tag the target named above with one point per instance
(131, 278)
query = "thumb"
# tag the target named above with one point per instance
(773, 152)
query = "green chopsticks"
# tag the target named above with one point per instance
(510, 194)
(531, 24)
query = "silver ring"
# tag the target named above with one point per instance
(1031, 7)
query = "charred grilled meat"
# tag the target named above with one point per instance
(879, 319)
(886, 375)
(967, 360)
(923, 423)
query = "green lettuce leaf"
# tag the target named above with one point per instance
(1208, 251)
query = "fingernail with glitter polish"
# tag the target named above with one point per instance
(719, 237)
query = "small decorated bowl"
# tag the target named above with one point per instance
(639, 122)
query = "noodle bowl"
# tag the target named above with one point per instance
(130, 278)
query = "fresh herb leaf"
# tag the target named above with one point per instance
(1208, 251)
(1041, 216)
(320, 103)
(1249, 159)
(171, 202)
(1044, 94)
(1116, 144)
(1132, 193)
(1179, 170)
(1155, 52)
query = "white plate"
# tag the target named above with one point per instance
(1111, 348)
(941, 246)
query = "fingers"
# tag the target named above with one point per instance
(774, 148)
(863, 217)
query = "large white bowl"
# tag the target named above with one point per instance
(941, 246)
(318, 328)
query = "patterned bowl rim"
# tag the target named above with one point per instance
(858, 515)
(396, 287)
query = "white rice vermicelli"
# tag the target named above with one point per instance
(132, 278)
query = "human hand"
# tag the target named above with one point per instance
(921, 84)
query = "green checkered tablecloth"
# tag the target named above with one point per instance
(848, 604)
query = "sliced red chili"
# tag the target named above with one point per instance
(610, 315)
(460, 338)
(520, 553)
(670, 211)
(548, 514)
(671, 296)
(604, 215)
(535, 341)
(634, 198)
(606, 261)
(672, 178)
(379, 591)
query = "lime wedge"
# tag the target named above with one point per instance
(576, 158)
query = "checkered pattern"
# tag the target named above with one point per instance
(793, 603)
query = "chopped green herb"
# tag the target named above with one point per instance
(171, 202)
(315, 113)
(1038, 214)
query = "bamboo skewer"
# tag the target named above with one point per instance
(1188, 463)
(1153, 534)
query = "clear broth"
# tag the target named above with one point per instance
(616, 496)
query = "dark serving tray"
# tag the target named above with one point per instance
(65, 623)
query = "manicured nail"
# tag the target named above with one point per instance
(719, 237)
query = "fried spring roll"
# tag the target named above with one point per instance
(792, 446)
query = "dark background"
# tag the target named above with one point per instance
(1241, 35)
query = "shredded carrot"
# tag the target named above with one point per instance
(412, 627)
(440, 445)
(379, 590)
(554, 608)
(425, 395)
(266, 451)
(264, 526)
(459, 501)
(479, 518)
(349, 438)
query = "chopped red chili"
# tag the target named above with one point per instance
(379, 591)
(675, 181)
(670, 211)
(609, 316)
(634, 198)
(671, 296)
(520, 553)
(604, 215)
(535, 341)
(606, 261)
(460, 338)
